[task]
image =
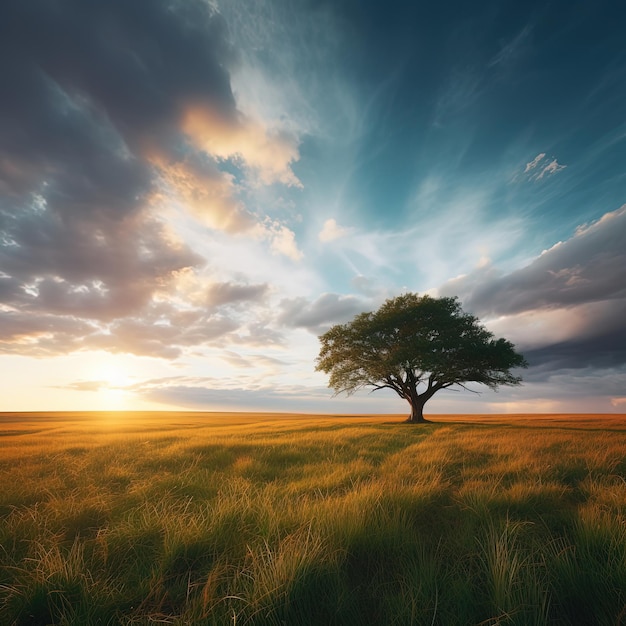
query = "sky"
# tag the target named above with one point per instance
(192, 191)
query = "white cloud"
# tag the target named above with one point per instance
(552, 168)
(267, 151)
(332, 231)
(282, 239)
(207, 193)
(541, 167)
(531, 165)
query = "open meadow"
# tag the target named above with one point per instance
(259, 519)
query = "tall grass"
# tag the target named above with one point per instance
(269, 520)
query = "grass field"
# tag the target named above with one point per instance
(258, 519)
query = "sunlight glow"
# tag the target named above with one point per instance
(113, 399)
(114, 377)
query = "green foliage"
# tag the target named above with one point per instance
(416, 340)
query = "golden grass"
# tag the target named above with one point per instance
(217, 518)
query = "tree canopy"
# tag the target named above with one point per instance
(416, 345)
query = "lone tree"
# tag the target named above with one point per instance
(416, 345)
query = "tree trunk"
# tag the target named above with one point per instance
(417, 413)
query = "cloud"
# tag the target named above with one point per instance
(600, 343)
(165, 339)
(331, 231)
(566, 307)
(319, 315)
(282, 52)
(161, 329)
(453, 232)
(541, 167)
(40, 334)
(207, 193)
(270, 365)
(268, 152)
(293, 398)
(204, 393)
(231, 293)
(87, 267)
(87, 385)
(259, 334)
(551, 168)
(282, 239)
(116, 113)
(512, 50)
(589, 267)
(531, 165)
(368, 287)
(90, 97)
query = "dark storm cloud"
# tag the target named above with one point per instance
(137, 62)
(580, 282)
(599, 343)
(92, 94)
(589, 267)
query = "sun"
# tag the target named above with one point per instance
(113, 387)
(113, 376)
(104, 381)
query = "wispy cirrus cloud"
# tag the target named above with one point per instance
(542, 166)
(511, 51)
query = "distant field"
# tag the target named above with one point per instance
(264, 519)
